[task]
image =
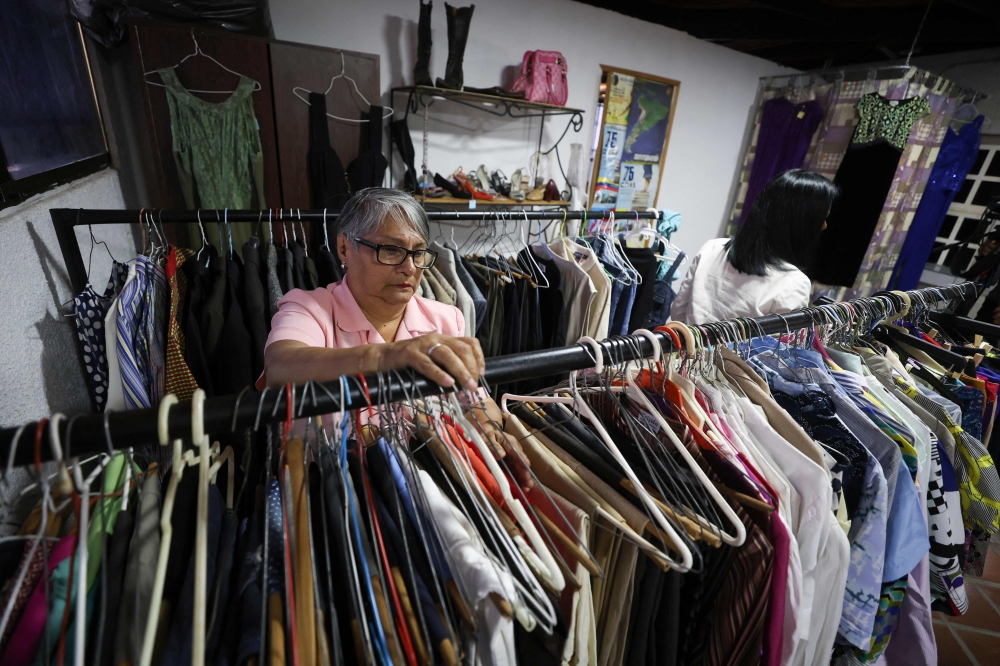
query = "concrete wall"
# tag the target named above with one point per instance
(40, 371)
(718, 86)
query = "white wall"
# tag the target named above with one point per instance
(40, 371)
(718, 86)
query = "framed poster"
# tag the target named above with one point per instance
(632, 140)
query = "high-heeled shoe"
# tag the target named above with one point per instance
(516, 193)
(483, 181)
(450, 187)
(500, 183)
(463, 181)
(552, 191)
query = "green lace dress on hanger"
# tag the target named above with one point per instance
(218, 154)
(864, 177)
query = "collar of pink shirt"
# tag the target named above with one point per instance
(348, 317)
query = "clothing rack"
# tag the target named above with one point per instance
(65, 219)
(94, 433)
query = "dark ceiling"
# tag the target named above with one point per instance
(814, 34)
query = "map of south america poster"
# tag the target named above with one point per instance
(632, 143)
(648, 119)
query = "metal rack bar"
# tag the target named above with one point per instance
(225, 413)
(64, 219)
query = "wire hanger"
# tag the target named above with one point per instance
(343, 74)
(197, 52)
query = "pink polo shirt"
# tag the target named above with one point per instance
(330, 317)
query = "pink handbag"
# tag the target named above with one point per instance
(543, 77)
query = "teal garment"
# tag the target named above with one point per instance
(217, 150)
(53, 623)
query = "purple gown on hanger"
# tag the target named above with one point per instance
(786, 130)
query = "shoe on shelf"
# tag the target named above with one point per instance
(421, 68)
(450, 187)
(552, 191)
(482, 181)
(465, 181)
(458, 19)
(435, 192)
(500, 183)
(537, 194)
(516, 193)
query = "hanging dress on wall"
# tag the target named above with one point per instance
(958, 153)
(786, 129)
(217, 150)
(864, 178)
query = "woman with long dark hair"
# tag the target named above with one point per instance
(761, 269)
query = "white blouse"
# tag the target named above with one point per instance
(713, 290)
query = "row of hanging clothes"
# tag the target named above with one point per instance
(176, 319)
(610, 278)
(798, 499)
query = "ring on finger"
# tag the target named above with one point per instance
(433, 347)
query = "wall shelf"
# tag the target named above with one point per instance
(495, 104)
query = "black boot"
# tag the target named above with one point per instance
(421, 69)
(400, 133)
(459, 19)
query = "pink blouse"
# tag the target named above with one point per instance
(330, 317)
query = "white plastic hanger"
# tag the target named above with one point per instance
(298, 90)
(556, 579)
(199, 52)
(581, 406)
(83, 529)
(200, 439)
(179, 462)
(635, 393)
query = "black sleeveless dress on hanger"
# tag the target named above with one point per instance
(327, 178)
(864, 177)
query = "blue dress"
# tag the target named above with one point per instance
(958, 153)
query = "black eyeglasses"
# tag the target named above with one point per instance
(393, 255)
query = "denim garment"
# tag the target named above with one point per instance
(622, 294)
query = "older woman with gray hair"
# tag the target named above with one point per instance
(372, 321)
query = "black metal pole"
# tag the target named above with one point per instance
(75, 217)
(223, 413)
(65, 219)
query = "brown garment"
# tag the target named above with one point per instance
(275, 630)
(305, 604)
(179, 380)
(613, 601)
(757, 390)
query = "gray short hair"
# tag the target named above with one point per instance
(368, 208)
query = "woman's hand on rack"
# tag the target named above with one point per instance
(444, 360)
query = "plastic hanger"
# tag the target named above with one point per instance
(652, 508)
(635, 392)
(199, 52)
(82, 486)
(298, 90)
(201, 440)
(541, 548)
(179, 462)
